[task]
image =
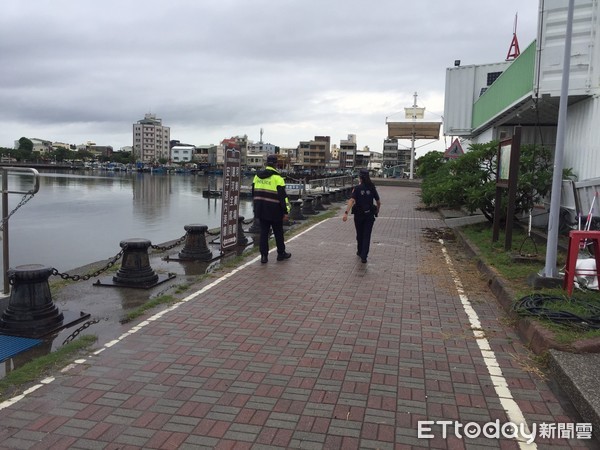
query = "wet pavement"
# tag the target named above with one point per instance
(320, 351)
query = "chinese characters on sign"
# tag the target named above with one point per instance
(230, 205)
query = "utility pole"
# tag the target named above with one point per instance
(553, 220)
(412, 144)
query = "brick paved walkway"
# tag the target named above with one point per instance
(320, 351)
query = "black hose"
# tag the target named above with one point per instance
(538, 305)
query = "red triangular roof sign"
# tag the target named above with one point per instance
(513, 51)
(455, 150)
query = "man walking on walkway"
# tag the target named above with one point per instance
(271, 207)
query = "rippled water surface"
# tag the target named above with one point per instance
(79, 218)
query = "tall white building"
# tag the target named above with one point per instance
(151, 139)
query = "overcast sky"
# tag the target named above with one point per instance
(81, 70)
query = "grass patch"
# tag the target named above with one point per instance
(505, 261)
(182, 288)
(556, 304)
(162, 300)
(43, 365)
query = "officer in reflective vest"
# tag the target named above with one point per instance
(271, 207)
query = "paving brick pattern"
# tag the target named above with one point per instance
(320, 351)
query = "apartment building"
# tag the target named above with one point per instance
(315, 154)
(390, 152)
(151, 139)
(348, 152)
(394, 156)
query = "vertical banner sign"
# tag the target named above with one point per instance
(230, 206)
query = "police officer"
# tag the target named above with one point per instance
(361, 205)
(271, 207)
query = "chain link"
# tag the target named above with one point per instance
(213, 233)
(169, 247)
(75, 333)
(113, 260)
(28, 196)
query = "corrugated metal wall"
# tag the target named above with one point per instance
(463, 87)
(552, 44)
(582, 139)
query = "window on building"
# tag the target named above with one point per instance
(492, 76)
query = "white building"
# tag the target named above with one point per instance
(151, 139)
(261, 147)
(486, 102)
(182, 153)
(40, 146)
(256, 161)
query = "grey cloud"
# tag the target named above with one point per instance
(232, 66)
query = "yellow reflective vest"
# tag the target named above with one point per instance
(268, 192)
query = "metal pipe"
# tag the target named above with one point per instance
(5, 246)
(550, 270)
(5, 213)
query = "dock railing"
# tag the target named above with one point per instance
(302, 187)
(327, 184)
(27, 195)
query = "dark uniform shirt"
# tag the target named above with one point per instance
(364, 196)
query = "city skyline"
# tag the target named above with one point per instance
(86, 72)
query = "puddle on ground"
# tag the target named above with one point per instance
(107, 306)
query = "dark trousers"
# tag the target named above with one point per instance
(265, 229)
(364, 226)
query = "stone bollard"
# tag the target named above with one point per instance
(307, 206)
(255, 227)
(242, 240)
(195, 248)
(30, 311)
(318, 204)
(295, 212)
(337, 195)
(135, 269)
(325, 198)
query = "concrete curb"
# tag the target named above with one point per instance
(578, 383)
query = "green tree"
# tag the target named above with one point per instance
(61, 154)
(429, 163)
(25, 145)
(25, 150)
(470, 180)
(123, 157)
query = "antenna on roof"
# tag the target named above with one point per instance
(513, 51)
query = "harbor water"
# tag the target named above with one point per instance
(78, 218)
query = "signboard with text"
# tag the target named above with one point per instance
(230, 205)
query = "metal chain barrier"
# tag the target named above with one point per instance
(113, 260)
(248, 222)
(169, 247)
(28, 196)
(75, 333)
(213, 233)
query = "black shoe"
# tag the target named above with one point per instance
(264, 259)
(283, 256)
(363, 260)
